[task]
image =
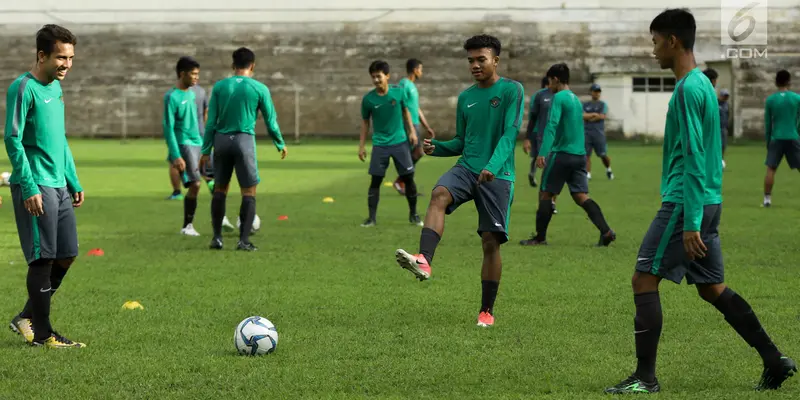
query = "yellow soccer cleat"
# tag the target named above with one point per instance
(22, 326)
(56, 341)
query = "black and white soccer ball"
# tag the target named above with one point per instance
(256, 224)
(255, 336)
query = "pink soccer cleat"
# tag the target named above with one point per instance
(485, 319)
(416, 263)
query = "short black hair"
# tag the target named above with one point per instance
(483, 42)
(545, 82)
(412, 64)
(678, 22)
(186, 64)
(243, 58)
(711, 73)
(782, 78)
(379, 66)
(49, 34)
(560, 71)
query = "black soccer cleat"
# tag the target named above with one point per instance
(606, 239)
(368, 223)
(773, 377)
(216, 243)
(554, 208)
(634, 385)
(533, 241)
(610, 175)
(246, 246)
(414, 219)
(532, 181)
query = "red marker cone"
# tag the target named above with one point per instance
(283, 218)
(96, 252)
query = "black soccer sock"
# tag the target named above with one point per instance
(647, 332)
(39, 286)
(217, 212)
(428, 240)
(374, 196)
(176, 192)
(247, 213)
(189, 207)
(411, 193)
(543, 216)
(56, 277)
(488, 295)
(596, 215)
(744, 321)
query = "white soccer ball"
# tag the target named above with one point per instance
(256, 224)
(255, 336)
(5, 179)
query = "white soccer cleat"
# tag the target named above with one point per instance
(189, 231)
(723, 164)
(227, 226)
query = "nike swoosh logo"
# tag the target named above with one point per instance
(470, 105)
(184, 102)
(546, 100)
(378, 106)
(642, 259)
(47, 101)
(638, 332)
(45, 290)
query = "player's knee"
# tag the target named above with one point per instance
(375, 182)
(249, 191)
(490, 242)
(644, 282)
(580, 198)
(545, 196)
(64, 263)
(221, 189)
(710, 292)
(441, 197)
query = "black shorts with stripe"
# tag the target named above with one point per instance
(662, 253)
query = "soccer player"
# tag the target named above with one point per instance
(537, 119)
(230, 134)
(780, 129)
(414, 71)
(594, 118)
(388, 106)
(488, 119)
(563, 144)
(683, 239)
(44, 183)
(182, 134)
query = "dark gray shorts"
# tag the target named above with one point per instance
(662, 253)
(778, 149)
(596, 141)
(53, 235)
(191, 156)
(400, 153)
(564, 168)
(235, 152)
(492, 199)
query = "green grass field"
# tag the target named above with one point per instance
(352, 324)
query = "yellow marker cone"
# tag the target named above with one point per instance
(388, 184)
(132, 305)
(327, 200)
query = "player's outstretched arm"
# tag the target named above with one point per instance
(267, 109)
(694, 171)
(514, 99)
(18, 102)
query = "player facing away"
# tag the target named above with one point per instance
(537, 119)
(388, 107)
(565, 162)
(414, 73)
(780, 131)
(594, 118)
(488, 120)
(683, 239)
(230, 134)
(44, 183)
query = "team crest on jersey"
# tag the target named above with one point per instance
(494, 102)
(394, 102)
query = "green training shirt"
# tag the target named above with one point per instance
(564, 130)
(488, 121)
(36, 137)
(386, 112)
(234, 107)
(180, 121)
(780, 116)
(692, 165)
(412, 97)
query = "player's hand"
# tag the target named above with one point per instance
(427, 146)
(284, 152)
(431, 133)
(694, 246)
(362, 153)
(34, 205)
(204, 160)
(179, 164)
(77, 199)
(526, 146)
(540, 162)
(412, 138)
(485, 176)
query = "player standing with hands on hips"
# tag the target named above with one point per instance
(44, 183)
